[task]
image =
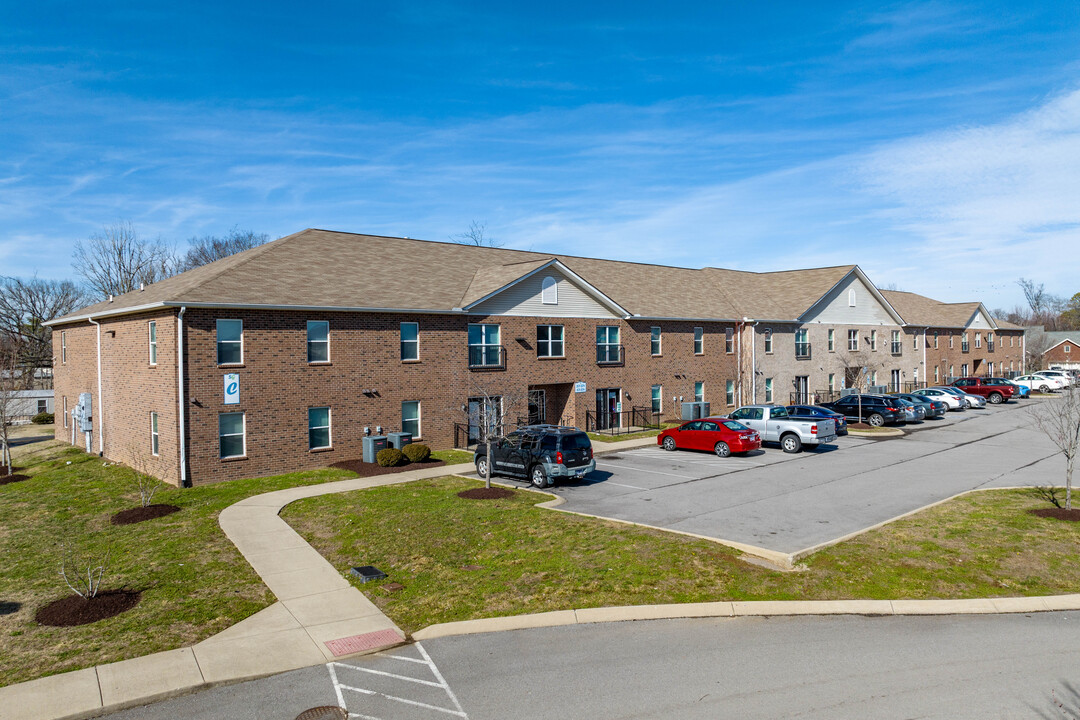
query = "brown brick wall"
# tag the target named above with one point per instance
(1059, 355)
(1007, 355)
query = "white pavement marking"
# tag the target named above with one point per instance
(632, 487)
(439, 682)
(654, 472)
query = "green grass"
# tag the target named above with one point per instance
(462, 559)
(194, 582)
(453, 457)
(604, 437)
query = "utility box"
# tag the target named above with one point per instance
(372, 445)
(399, 439)
(83, 412)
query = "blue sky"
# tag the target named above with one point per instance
(935, 144)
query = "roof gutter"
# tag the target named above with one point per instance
(100, 412)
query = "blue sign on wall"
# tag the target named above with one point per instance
(232, 388)
(579, 387)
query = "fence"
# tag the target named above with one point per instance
(813, 398)
(620, 423)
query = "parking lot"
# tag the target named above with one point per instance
(790, 503)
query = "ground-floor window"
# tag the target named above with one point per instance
(768, 390)
(699, 392)
(155, 437)
(895, 381)
(65, 412)
(729, 392)
(657, 397)
(964, 370)
(937, 374)
(832, 382)
(318, 421)
(410, 417)
(231, 435)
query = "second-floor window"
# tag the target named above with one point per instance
(230, 342)
(63, 346)
(484, 349)
(768, 340)
(832, 340)
(896, 349)
(151, 329)
(410, 341)
(318, 341)
(699, 341)
(965, 346)
(729, 340)
(802, 344)
(853, 340)
(655, 341)
(607, 344)
(978, 340)
(549, 341)
(873, 340)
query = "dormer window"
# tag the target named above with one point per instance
(549, 292)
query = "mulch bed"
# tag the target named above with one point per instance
(74, 610)
(6, 470)
(139, 514)
(364, 469)
(8, 479)
(1057, 513)
(485, 493)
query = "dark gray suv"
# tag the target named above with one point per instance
(540, 454)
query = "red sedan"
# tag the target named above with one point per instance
(719, 435)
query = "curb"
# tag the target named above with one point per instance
(889, 433)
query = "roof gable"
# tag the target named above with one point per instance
(836, 307)
(523, 294)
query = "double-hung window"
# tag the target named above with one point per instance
(873, 340)
(608, 349)
(729, 340)
(896, 343)
(802, 344)
(318, 341)
(63, 346)
(152, 334)
(853, 340)
(549, 341)
(729, 392)
(657, 398)
(231, 435)
(768, 340)
(768, 390)
(832, 340)
(410, 418)
(318, 428)
(410, 341)
(655, 341)
(978, 340)
(484, 348)
(699, 392)
(699, 341)
(155, 436)
(230, 342)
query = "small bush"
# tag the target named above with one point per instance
(390, 457)
(417, 452)
(45, 418)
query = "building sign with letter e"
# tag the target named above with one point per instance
(232, 388)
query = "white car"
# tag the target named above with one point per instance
(954, 402)
(1039, 383)
(1065, 378)
(969, 400)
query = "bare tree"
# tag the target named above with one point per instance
(209, 248)
(1034, 294)
(475, 235)
(25, 307)
(1060, 420)
(144, 482)
(1036, 342)
(10, 385)
(116, 261)
(83, 574)
(492, 413)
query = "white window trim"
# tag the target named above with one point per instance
(832, 340)
(483, 343)
(549, 342)
(151, 339)
(402, 341)
(63, 347)
(851, 297)
(66, 418)
(729, 393)
(243, 436)
(308, 343)
(699, 398)
(768, 341)
(656, 334)
(729, 341)
(155, 435)
(769, 390)
(873, 340)
(549, 291)
(419, 418)
(853, 335)
(660, 405)
(217, 343)
(699, 341)
(329, 427)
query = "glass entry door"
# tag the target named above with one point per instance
(537, 407)
(607, 408)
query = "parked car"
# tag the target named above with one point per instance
(816, 411)
(774, 425)
(994, 393)
(540, 454)
(926, 404)
(952, 400)
(970, 401)
(1065, 377)
(1040, 383)
(876, 410)
(912, 413)
(719, 435)
(1021, 391)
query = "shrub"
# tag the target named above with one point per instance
(390, 457)
(45, 418)
(417, 452)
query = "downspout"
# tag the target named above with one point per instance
(738, 336)
(753, 362)
(925, 367)
(181, 405)
(100, 412)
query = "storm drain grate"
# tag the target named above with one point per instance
(359, 643)
(324, 712)
(367, 573)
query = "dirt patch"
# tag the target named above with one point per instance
(74, 610)
(484, 493)
(1057, 513)
(6, 470)
(139, 514)
(364, 469)
(7, 480)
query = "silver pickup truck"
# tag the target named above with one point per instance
(774, 426)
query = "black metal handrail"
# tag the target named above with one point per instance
(467, 435)
(802, 350)
(607, 354)
(913, 386)
(487, 357)
(620, 423)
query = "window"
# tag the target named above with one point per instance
(318, 428)
(231, 432)
(990, 369)
(654, 341)
(1068, 349)
(832, 382)
(729, 340)
(873, 378)
(964, 370)
(851, 297)
(484, 348)
(852, 340)
(42, 406)
(965, 346)
(950, 342)
(549, 341)
(152, 331)
(699, 341)
(978, 340)
(410, 341)
(873, 340)
(897, 346)
(937, 375)
(318, 341)
(768, 390)
(832, 340)
(935, 340)
(990, 342)
(230, 342)
(657, 397)
(729, 392)
(549, 292)
(768, 340)
(802, 346)
(699, 392)
(155, 437)
(952, 371)
(63, 346)
(608, 349)
(914, 342)
(66, 418)
(410, 418)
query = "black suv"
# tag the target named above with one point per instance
(539, 453)
(877, 410)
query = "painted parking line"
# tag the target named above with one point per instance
(652, 472)
(367, 686)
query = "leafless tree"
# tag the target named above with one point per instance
(496, 415)
(116, 260)
(25, 307)
(209, 248)
(10, 385)
(475, 235)
(1036, 342)
(83, 573)
(144, 482)
(1060, 420)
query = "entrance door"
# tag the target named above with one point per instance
(484, 417)
(896, 381)
(607, 408)
(537, 407)
(802, 389)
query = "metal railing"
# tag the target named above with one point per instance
(897, 347)
(467, 435)
(487, 357)
(912, 386)
(802, 350)
(965, 347)
(607, 354)
(523, 421)
(813, 398)
(620, 423)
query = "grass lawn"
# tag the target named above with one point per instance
(453, 457)
(463, 559)
(194, 582)
(604, 437)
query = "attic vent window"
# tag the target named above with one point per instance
(851, 297)
(549, 294)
